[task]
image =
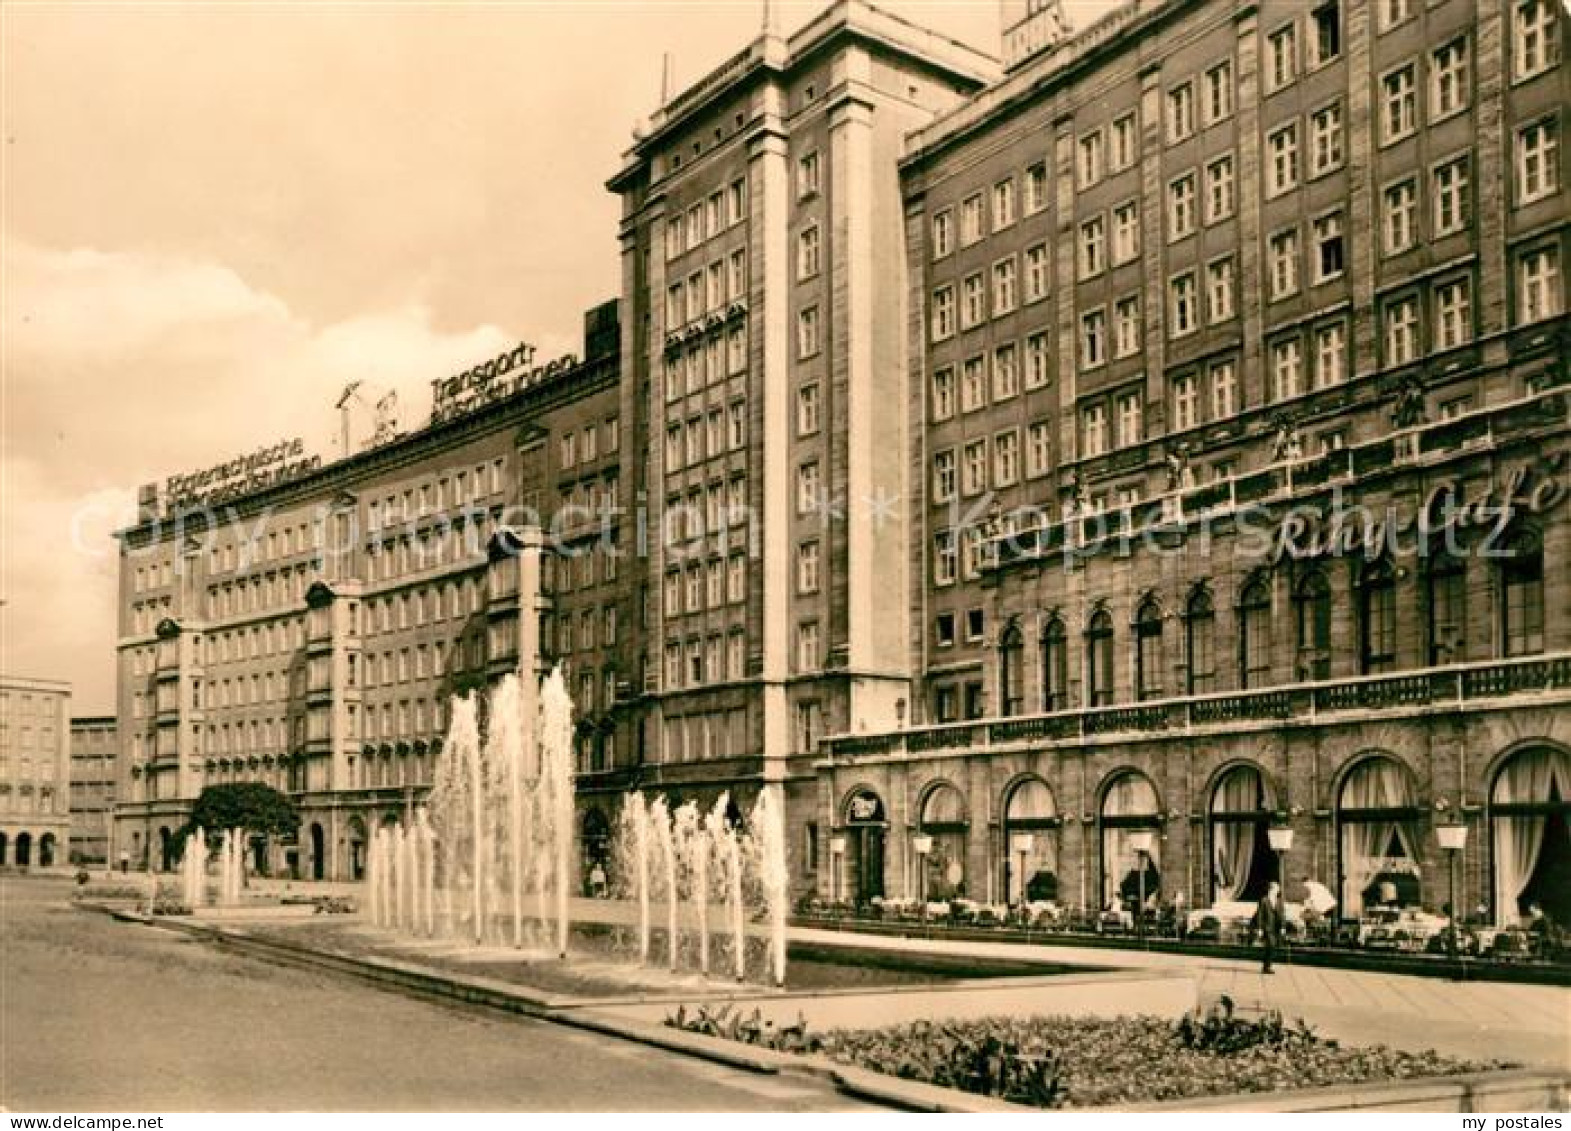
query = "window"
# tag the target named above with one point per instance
(1055, 666)
(806, 568)
(943, 313)
(1325, 40)
(808, 653)
(1398, 104)
(1126, 326)
(1180, 113)
(1003, 286)
(1312, 610)
(970, 220)
(943, 233)
(1186, 401)
(1401, 331)
(1284, 263)
(736, 200)
(1037, 371)
(1093, 339)
(1447, 607)
(1036, 188)
(1218, 93)
(1224, 390)
(1131, 419)
(1036, 273)
(1092, 247)
(1006, 373)
(973, 304)
(1200, 643)
(807, 252)
(1330, 354)
(1254, 635)
(1325, 140)
(1219, 189)
(1011, 686)
(807, 490)
(1093, 429)
(1003, 204)
(807, 410)
(1181, 207)
(1329, 254)
(1535, 38)
(1376, 618)
(1522, 597)
(1039, 449)
(1537, 160)
(1126, 232)
(943, 476)
(1448, 89)
(1538, 285)
(1401, 216)
(1090, 165)
(1219, 290)
(1282, 171)
(1183, 306)
(944, 558)
(943, 394)
(1006, 459)
(1453, 314)
(1282, 57)
(1148, 651)
(1393, 12)
(1450, 197)
(807, 175)
(1099, 660)
(807, 343)
(1126, 143)
(974, 472)
(973, 385)
(1287, 369)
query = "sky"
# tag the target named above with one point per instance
(214, 216)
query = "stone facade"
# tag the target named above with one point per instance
(95, 751)
(35, 773)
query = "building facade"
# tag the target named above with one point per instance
(95, 753)
(762, 349)
(35, 773)
(310, 632)
(1239, 468)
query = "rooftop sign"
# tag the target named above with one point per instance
(262, 468)
(491, 381)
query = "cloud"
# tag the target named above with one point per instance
(123, 367)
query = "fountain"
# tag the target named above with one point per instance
(193, 870)
(490, 860)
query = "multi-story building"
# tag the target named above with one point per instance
(1238, 416)
(762, 354)
(95, 752)
(307, 626)
(35, 772)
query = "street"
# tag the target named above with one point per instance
(99, 1015)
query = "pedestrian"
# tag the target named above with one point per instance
(1267, 924)
(597, 881)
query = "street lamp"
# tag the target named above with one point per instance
(1453, 838)
(1281, 840)
(1142, 841)
(922, 844)
(837, 852)
(1022, 845)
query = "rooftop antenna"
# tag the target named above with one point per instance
(665, 78)
(770, 24)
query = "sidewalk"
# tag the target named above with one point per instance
(1521, 1022)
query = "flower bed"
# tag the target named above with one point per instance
(1098, 1062)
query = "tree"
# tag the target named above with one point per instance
(251, 805)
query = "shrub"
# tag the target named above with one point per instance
(749, 1029)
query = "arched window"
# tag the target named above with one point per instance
(1446, 592)
(1312, 606)
(1522, 597)
(1030, 843)
(1530, 835)
(1254, 635)
(944, 821)
(1377, 836)
(1242, 862)
(1200, 642)
(1055, 667)
(1129, 806)
(1376, 617)
(1099, 660)
(1011, 676)
(1148, 650)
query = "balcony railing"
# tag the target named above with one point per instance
(1451, 686)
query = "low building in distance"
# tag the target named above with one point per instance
(35, 773)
